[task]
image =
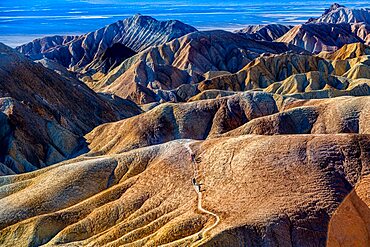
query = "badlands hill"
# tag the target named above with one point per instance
(268, 32)
(45, 115)
(345, 26)
(283, 192)
(238, 139)
(183, 61)
(75, 52)
(342, 72)
(314, 36)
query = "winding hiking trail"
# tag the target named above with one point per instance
(198, 237)
(199, 192)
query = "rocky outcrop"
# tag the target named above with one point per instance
(44, 115)
(265, 189)
(345, 26)
(58, 68)
(362, 31)
(267, 32)
(75, 52)
(341, 14)
(344, 72)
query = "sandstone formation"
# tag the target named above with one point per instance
(75, 52)
(196, 120)
(344, 72)
(345, 26)
(45, 115)
(348, 51)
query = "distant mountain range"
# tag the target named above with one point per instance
(77, 52)
(340, 14)
(159, 68)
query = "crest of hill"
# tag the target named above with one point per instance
(290, 73)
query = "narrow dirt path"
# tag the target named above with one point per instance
(198, 237)
(198, 190)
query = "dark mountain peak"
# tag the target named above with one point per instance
(333, 7)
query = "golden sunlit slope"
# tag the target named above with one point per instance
(265, 189)
(350, 224)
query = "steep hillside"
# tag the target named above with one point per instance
(45, 115)
(275, 189)
(291, 73)
(350, 224)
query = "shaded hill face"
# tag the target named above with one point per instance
(175, 72)
(75, 52)
(347, 52)
(145, 197)
(196, 120)
(45, 115)
(345, 26)
(337, 115)
(268, 32)
(183, 61)
(111, 58)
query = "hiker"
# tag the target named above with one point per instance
(196, 185)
